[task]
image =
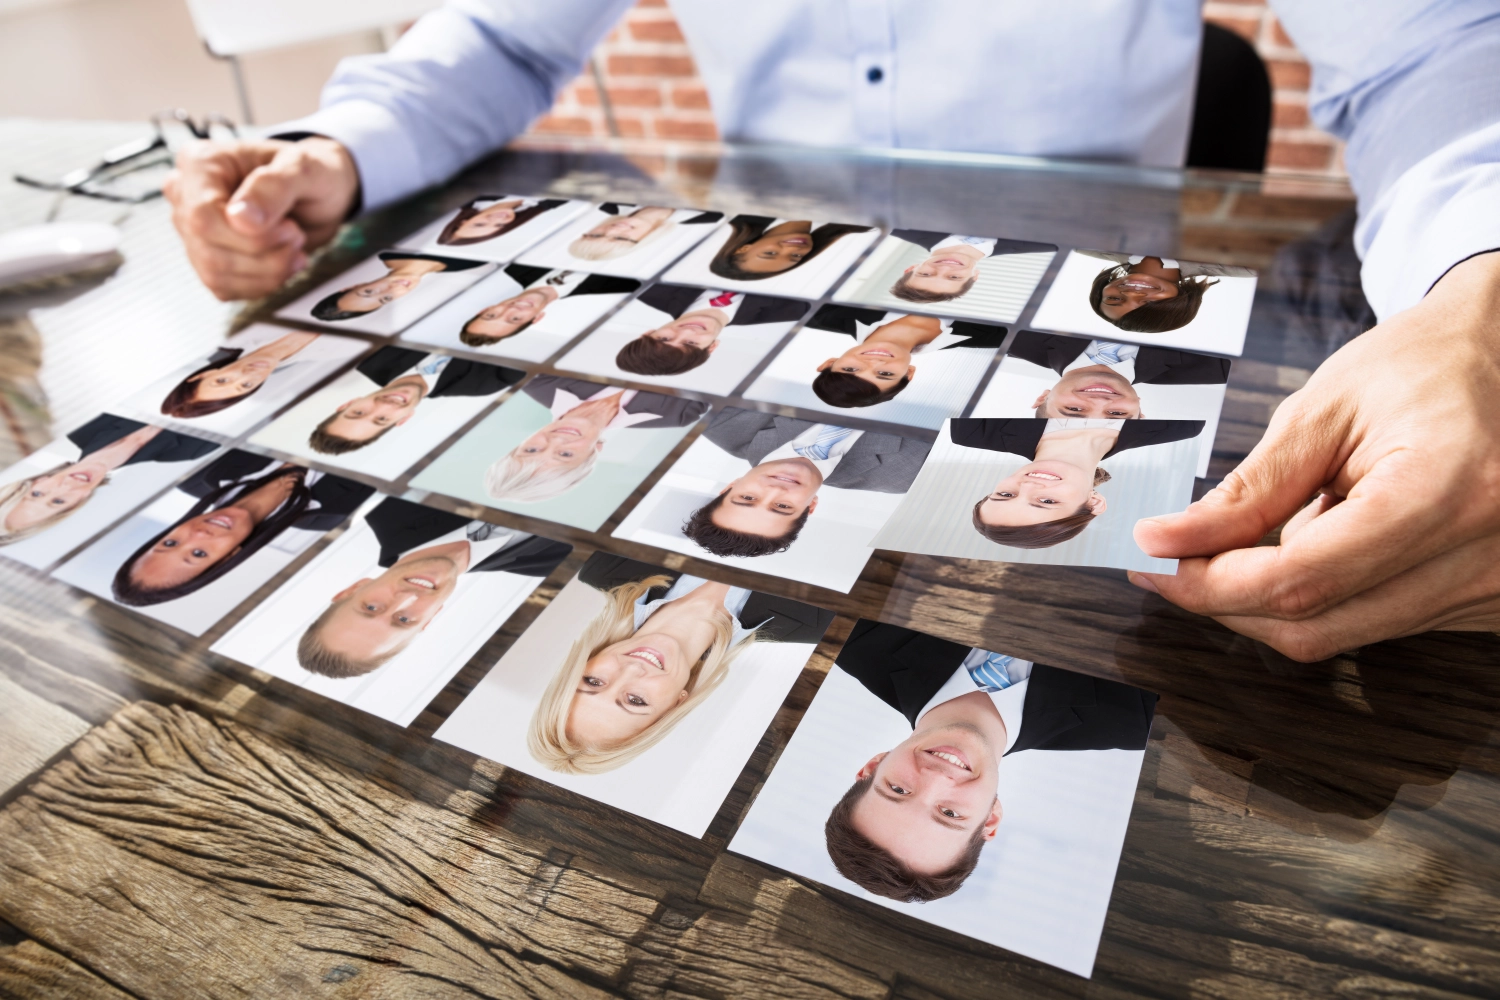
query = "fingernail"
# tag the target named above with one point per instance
(1142, 580)
(245, 210)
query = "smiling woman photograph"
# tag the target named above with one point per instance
(404, 273)
(231, 376)
(759, 247)
(1153, 294)
(882, 361)
(484, 219)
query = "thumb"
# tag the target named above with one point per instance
(267, 195)
(1300, 452)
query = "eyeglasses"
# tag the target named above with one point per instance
(140, 154)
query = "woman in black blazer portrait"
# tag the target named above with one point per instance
(484, 219)
(760, 247)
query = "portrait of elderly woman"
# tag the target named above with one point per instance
(405, 271)
(1153, 294)
(632, 241)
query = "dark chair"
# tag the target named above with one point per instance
(1232, 113)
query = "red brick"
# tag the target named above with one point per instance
(692, 98)
(1288, 114)
(632, 128)
(1279, 35)
(1300, 155)
(1247, 28)
(620, 65)
(633, 97)
(677, 128)
(557, 124)
(1289, 74)
(655, 30)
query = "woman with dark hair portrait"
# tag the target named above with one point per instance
(1055, 495)
(880, 363)
(484, 219)
(231, 376)
(760, 247)
(244, 502)
(1153, 294)
(404, 272)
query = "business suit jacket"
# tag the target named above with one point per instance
(670, 411)
(1020, 435)
(459, 378)
(526, 275)
(336, 497)
(786, 620)
(401, 526)
(928, 238)
(1189, 268)
(167, 446)
(674, 300)
(880, 463)
(1153, 365)
(1063, 710)
(846, 319)
(702, 218)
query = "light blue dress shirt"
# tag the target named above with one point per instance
(1410, 84)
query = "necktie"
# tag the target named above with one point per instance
(824, 443)
(433, 366)
(721, 300)
(992, 675)
(1105, 353)
(559, 277)
(479, 531)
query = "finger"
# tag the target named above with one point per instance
(207, 175)
(271, 192)
(1301, 451)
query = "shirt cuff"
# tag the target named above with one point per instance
(1443, 210)
(388, 164)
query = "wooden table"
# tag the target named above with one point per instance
(173, 824)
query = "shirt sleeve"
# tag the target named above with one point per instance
(462, 82)
(1411, 87)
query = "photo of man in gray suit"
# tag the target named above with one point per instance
(763, 510)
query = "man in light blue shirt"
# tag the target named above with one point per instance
(1395, 431)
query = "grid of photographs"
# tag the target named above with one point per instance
(253, 492)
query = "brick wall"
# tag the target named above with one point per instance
(654, 90)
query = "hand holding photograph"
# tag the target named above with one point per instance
(1150, 300)
(686, 337)
(494, 228)
(66, 492)
(641, 687)
(793, 498)
(630, 241)
(386, 615)
(1034, 491)
(962, 787)
(393, 409)
(757, 253)
(564, 449)
(387, 293)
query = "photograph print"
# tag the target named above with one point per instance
(387, 293)
(644, 688)
(897, 367)
(522, 313)
(970, 789)
(255, 373)
(1055, 376)
(973, 277)
(686, 337)
(758, 253)
(389, 412)
(628, 241)
(195, 553)
(1150, 300)
(563, 449)
(66, 492)
(384, 617)
(792, 498)
(494, 228)
(1062, 492)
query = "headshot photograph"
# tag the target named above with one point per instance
(68, 491)
(387, 293)
(563, 449)
(973, 277)
(793, 498)
(629, 241)
(1062, 492)
(893, 366)
(390, 411)
(522, 313)
(199, 550)
(641, 687)
(756, 253)
(1052, 376)
(246, 381)
(1150, 300)
(974, 790)
(685, 337)
(385, 616)
(494, 228)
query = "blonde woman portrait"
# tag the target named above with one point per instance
(627, 228)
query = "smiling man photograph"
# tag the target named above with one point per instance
(686, 324)
(1098, 378)
(914, 822)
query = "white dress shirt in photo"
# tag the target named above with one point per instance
(1120, 358)
(985, 245)
(806, 442)
(430, 368)
(491, 539)
(1008, 702)
(563, 401)
(942, 340)
(727, 303)
(734, 603)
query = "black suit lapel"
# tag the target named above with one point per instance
(1052, 697)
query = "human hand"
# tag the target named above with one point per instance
(1397, 439)
(249, 210)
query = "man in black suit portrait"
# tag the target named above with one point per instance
(1099, 377)
(540, 288)
(424, 553)
(952, 264)
(403, 379)
(763, 510)
(690, 323)
(914, 822)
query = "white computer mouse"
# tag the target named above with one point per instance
(56, 248)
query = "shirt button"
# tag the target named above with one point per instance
(875, 74)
